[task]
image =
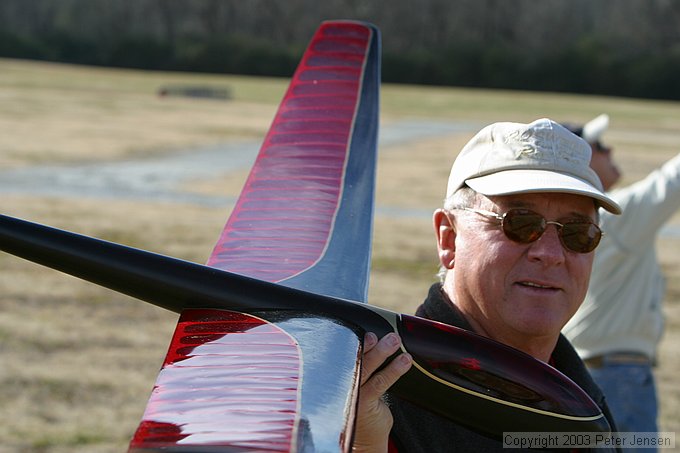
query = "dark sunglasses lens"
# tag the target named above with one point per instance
(581, 237)
(523, 226)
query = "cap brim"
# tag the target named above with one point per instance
(537, 181)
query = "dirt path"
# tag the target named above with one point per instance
(168, 177)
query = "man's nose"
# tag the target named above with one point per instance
(548, 248)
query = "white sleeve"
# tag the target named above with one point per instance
(647, 204)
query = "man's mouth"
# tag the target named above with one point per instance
(536, 285)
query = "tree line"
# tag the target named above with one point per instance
(610, 47)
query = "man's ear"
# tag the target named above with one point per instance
(446, 237)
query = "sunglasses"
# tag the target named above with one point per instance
(525, 226)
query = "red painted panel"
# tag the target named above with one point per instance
(228, 379)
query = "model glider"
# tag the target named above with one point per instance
(267, 351)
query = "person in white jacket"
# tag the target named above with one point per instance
(617, 329)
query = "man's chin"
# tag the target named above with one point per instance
(539, 325)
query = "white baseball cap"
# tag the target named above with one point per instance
(513, 158)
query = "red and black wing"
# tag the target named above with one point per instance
(304, 217)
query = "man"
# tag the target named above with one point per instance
(619, 326)
(515, 240)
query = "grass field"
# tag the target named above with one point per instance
(79, 361)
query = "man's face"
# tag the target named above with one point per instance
(602, 162)
(516, 292)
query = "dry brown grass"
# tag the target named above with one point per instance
(79, 361)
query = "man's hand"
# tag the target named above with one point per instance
(374, 420)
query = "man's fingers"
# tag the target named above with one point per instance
(375, 354)
(382, 380)
(370, 340)
(374, 419)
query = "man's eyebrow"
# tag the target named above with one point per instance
(579, 216)
(509, 204)
(523, 204)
